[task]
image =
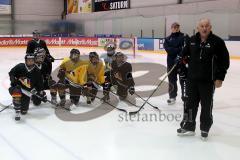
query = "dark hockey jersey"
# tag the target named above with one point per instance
(33, 44)
(44, 69)
(125, 72)
(27, 79)
(46, 74)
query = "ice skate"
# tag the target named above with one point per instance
(182, 132)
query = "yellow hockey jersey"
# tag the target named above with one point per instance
(75, 72)
(96, 72)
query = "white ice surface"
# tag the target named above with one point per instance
(42, 135)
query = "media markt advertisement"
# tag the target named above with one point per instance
(5, 7)
(50, 41)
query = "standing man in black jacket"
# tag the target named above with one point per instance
(35, 43)
(173, 45)
(208, 60)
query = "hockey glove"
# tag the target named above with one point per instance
(34, 91)
(61, 74)
(42, 95)
(131, 90)
(178, 60)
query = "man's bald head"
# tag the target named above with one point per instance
(204, 21)
(204, 27)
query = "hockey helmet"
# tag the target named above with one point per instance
(29, 60)
(74, 54)
(94, 57)
(120, 57)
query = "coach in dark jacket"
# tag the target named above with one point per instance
(208, 64)
(173, 45)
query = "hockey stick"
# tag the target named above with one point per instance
(58, 59)
(99, 86)
(147, 102)
(126, 100)
(137, 96)
(5, 107)
(135, 112)
(81, 87)
(29, 94)
(91, 95)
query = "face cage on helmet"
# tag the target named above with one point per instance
(96, 62)
(121, 58)
(27, 62)
(39, 59)
(75, 56)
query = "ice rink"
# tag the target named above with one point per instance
(50, 134)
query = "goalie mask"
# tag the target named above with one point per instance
(111, 50)
(94, 58)
(75, 55)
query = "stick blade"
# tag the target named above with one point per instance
(133, 113)
(123, 110)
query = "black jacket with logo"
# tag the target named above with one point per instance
(208, 61)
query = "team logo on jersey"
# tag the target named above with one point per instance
(25, 82)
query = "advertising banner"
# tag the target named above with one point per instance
(107, 5)
(83, 42)
(104, 41)
(79, 6)
(161, 42)
(145, 44)
(72, 6)
(50, 41)
(85, 6)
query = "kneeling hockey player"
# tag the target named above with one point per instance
(72, 72)
(95, 76)
(45, 70)
(121, 74)
(25, 79)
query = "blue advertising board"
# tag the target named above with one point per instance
(145, 44)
